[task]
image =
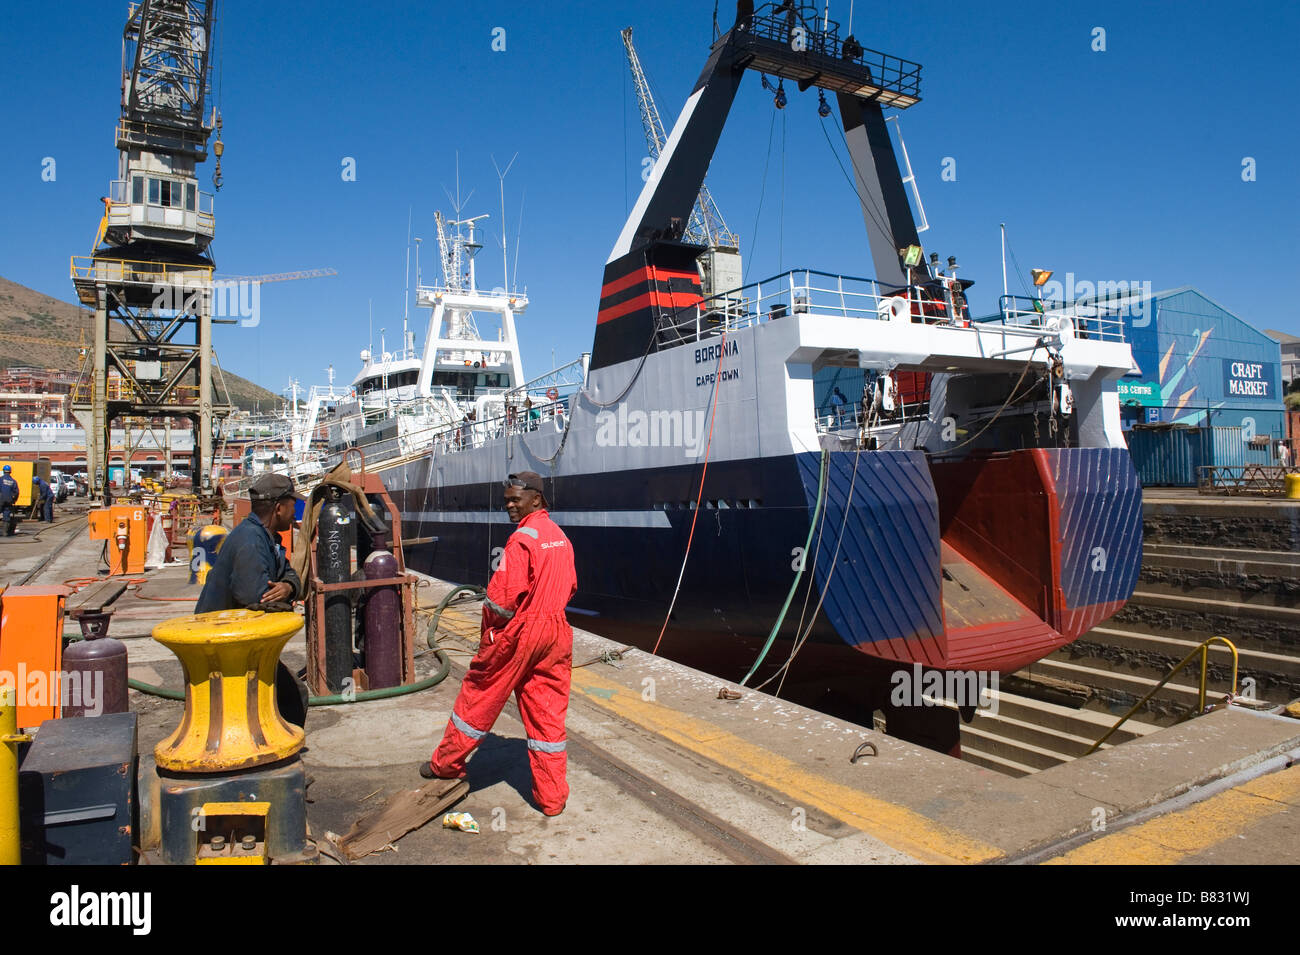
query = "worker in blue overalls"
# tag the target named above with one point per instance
(42, 499)
(9, 492)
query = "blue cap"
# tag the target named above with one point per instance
(7, 469)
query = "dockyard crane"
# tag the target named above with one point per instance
(149, 275)
(719, 265)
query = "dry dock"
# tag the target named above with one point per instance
(664, 771)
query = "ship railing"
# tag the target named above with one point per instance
(1092, 321)
(852, 418)
(445, 436)
(431, 294)
(840, 420)
(810, 46)
(804, 291)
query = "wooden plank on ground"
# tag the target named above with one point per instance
(96, 597)
(404, 812)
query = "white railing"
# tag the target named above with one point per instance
(442, 436)
(1091, 321)
(842, 419)
(804, 291)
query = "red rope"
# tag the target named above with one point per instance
(713, 413)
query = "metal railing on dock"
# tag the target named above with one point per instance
(1203, 649)
(1266, 479)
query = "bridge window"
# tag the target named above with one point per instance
(165, 192)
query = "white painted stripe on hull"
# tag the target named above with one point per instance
(653, 519)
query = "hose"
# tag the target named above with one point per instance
(794, 587)
(362, 696)
(444, 667)
(445, 602)
(152, 690)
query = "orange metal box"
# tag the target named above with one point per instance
(31, 649)
(126, 529)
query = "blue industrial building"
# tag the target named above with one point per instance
(1197, 360)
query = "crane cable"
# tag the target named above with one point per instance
(762, 191)
(873, 210)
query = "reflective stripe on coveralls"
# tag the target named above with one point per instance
(465, 728)
(544, 747)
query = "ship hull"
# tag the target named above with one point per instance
(984, 564)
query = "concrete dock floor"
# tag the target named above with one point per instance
(664, 771)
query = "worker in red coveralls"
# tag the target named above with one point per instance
(526, 649)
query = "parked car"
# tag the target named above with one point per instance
(59, 487)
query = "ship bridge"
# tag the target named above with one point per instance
(824, 320)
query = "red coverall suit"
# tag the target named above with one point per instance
(527, 649)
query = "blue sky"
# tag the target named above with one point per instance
(1122, 164)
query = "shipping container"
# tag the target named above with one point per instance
(1169, 455)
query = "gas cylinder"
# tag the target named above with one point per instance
(96, 669)
(383, 623)
(335, 537)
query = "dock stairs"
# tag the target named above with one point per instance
(1188, 591)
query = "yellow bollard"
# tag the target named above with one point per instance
(1291, 484)
(231, 721)
(11, 850)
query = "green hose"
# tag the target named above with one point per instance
(152, 690)
(444, 667)
(442, 605)
(780, 619)
(361, 696)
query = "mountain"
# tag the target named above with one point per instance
(28, 314)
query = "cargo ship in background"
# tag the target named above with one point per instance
(974, 510)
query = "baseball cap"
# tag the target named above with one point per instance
(529, 480)
(273, 487)
(7, 469)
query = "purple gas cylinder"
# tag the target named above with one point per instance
(383, 623)
(95, 671)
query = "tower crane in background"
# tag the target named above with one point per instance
(720, 264)
(277, 276)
